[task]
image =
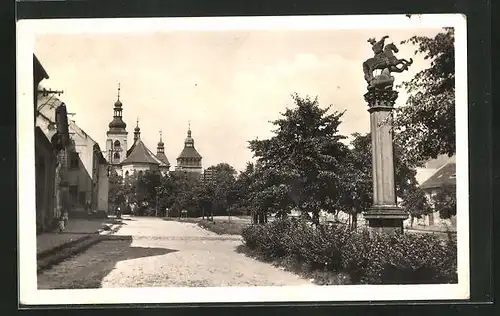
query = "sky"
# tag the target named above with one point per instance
(227, 84)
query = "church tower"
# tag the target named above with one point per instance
(189, 159)
(160, 154)
(116, 143)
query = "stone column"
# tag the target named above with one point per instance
(384, 215)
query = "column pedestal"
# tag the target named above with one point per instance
(384, 215)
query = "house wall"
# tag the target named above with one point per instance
(45, 166)
(90, 176)
(103, 188)
(130, 168)
(80, 174)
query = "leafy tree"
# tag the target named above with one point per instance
(300, 164)
(415, 203)
(446, 202)
(117, 190)
(426, 125)
(183, 185)
(223, 186)
(243, 190)
(150, 182)
(357, 185)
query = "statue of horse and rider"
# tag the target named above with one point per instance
(385, 60)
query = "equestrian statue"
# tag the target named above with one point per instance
(385, 60)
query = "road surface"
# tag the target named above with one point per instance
(153, 252)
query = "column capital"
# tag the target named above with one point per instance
(381, 98)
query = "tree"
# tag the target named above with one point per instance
(242, 189)
(356, 185)
(223, 186)
(300, 164)
(415, 203)
(183, 190)
(426, 125)
(117, 190)
(446, 202)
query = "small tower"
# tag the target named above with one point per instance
(189, 159)
(116, 142)
(160, 154)
(137, 131)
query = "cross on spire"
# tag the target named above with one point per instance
(137, 121)
(189, 125)
(160, 135)
(118, 91)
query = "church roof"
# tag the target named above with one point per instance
(139, 153)
(444, 176)
(163, 158)
(189, 152)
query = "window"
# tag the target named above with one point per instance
(117, 143)
(116, 156)
(74, 160)
(126, 173)
(73, 193)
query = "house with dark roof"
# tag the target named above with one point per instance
(444, 178)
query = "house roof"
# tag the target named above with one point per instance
(423, 174)
(139, 153)
(444, 176)
(38, 66)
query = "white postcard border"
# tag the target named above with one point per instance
(30, 295)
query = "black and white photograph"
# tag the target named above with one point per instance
(243, 159)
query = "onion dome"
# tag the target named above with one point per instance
(117, 124)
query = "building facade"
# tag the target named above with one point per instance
(443, 179)
(87, 174)
(51, 147)
(81, 170)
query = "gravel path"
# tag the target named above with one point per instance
(164, 253)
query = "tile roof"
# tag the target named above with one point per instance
(139, 153)
(163, 158)
(189, 152)
(446, 175)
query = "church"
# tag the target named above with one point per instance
(138, 158)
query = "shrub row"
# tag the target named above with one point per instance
(367, 259)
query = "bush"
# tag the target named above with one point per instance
(367, 259)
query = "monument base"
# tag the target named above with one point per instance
(385, 218)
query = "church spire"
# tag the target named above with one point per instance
(161, 145)
(117, 124)
(189, 142)
(137, 131)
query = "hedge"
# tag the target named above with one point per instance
(367, 259)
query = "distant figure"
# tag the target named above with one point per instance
(65, 219)
(62, 222)
(118, 212)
